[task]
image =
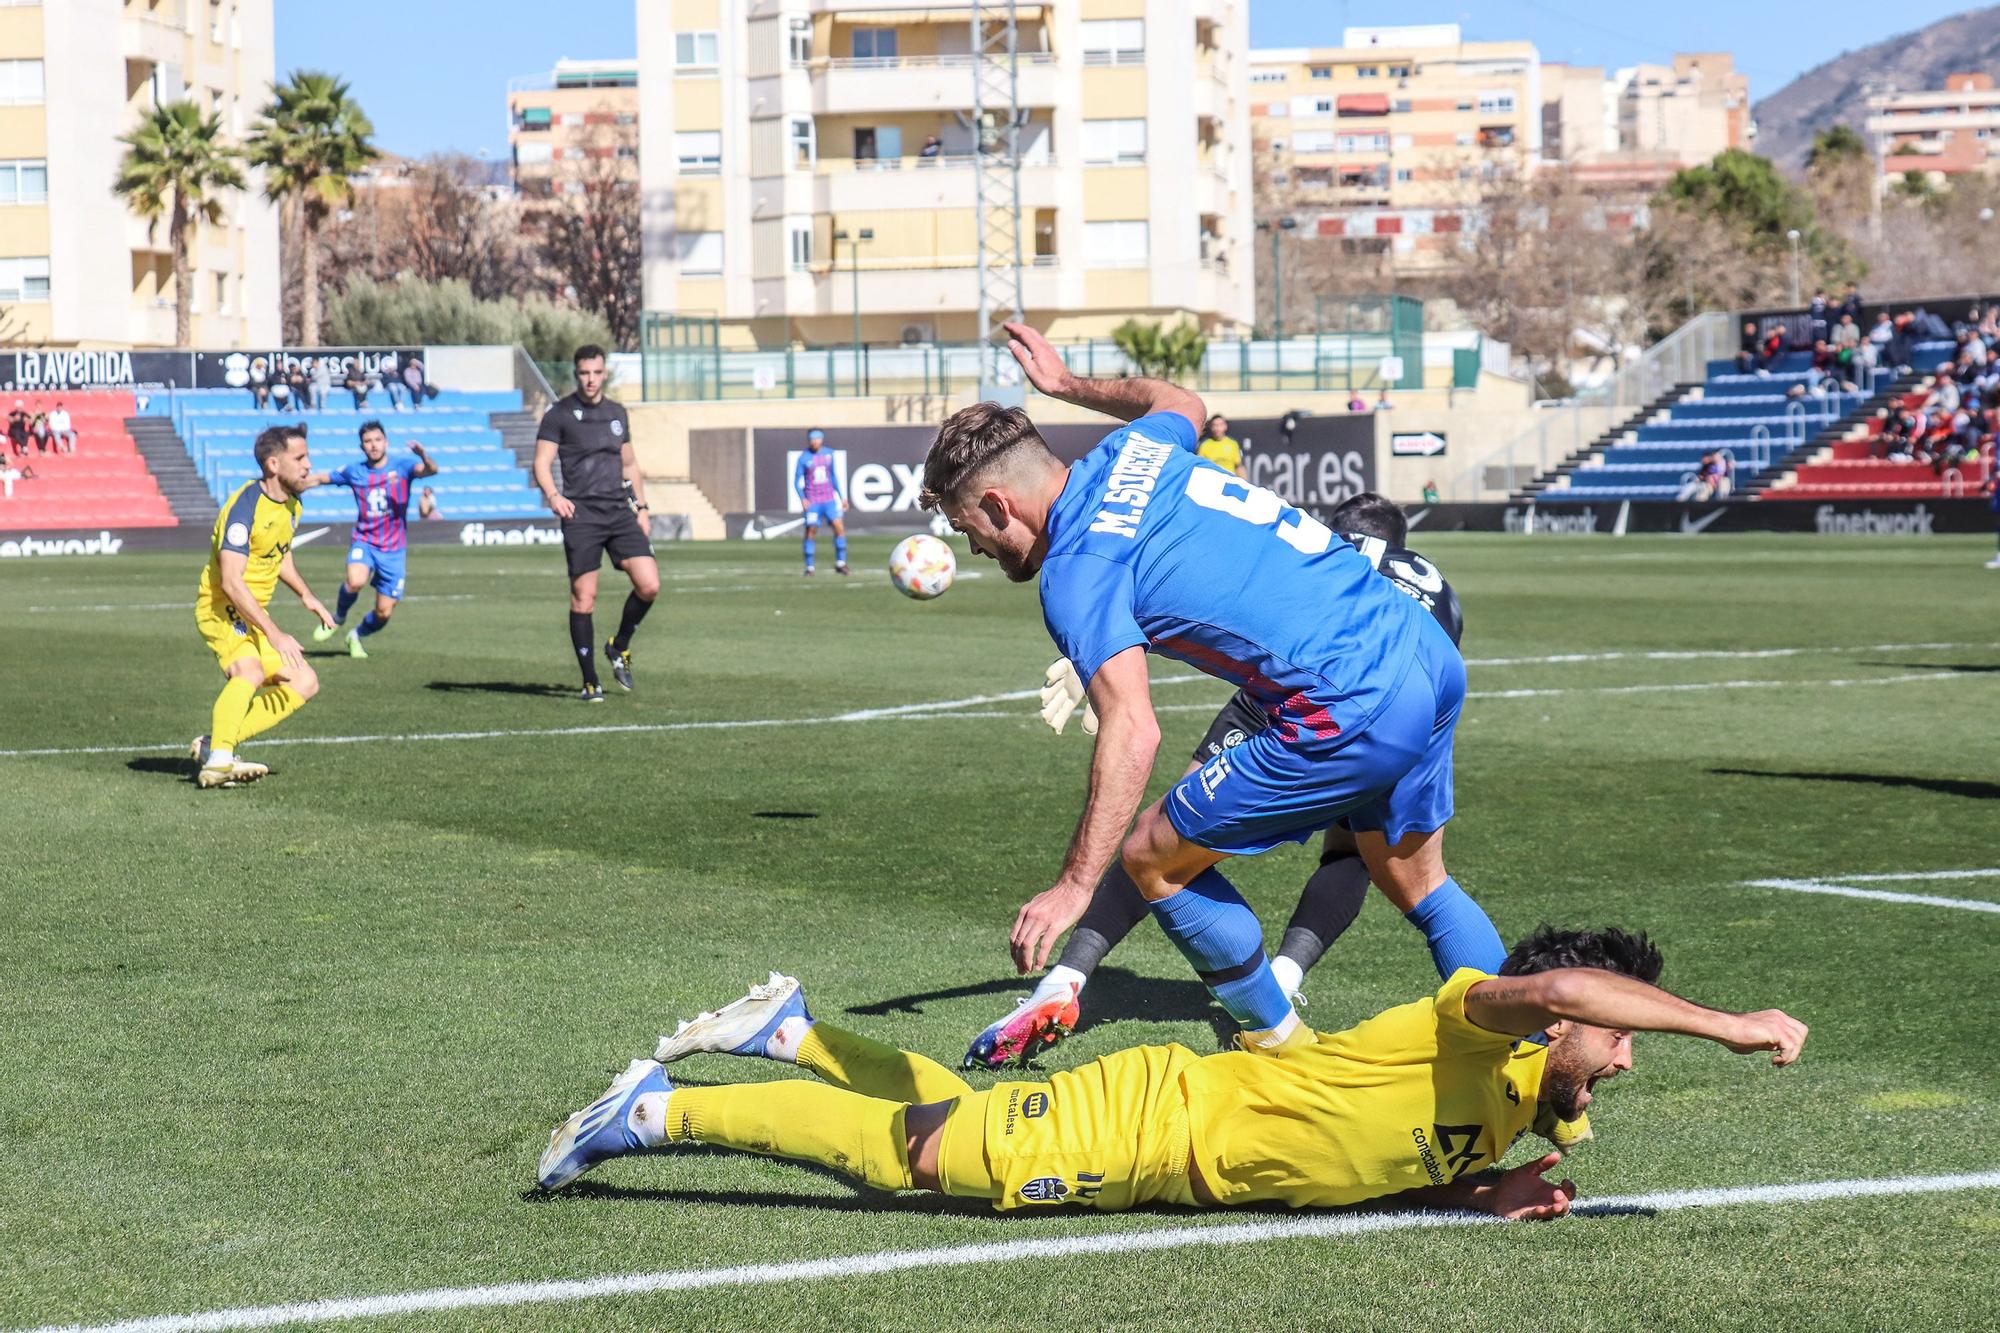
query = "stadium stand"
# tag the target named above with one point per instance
(1751, 422)
(484, 474)
(1872, 459)
(104, 484)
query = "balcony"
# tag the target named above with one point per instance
(919, 286)
(845, 185)
(919, 83)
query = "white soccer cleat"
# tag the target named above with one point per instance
(229, 773)
(741, 1027)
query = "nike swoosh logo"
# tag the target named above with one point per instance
(1418, 517)
(312, 536)
(1181, 795)
(1696, 525)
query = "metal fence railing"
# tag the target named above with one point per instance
(1681, 357)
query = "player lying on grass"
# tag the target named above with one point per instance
(1404, 1106)
(1142, 547)
(1331, 898)
(250, 553)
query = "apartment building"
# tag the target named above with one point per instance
(1388, 140)
(580, 111)
(1940, 132)
(805, 160)
(76, 267)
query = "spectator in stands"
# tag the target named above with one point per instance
(302, 391)
(1355, 402)
(322, 382)
(1850, 304)
(61, 432)
(1747, 348)
(260, 383)
(17, 429)
(1817, 313)
(281, 391)
(1846, 334)
(356, 383)
(1961, 444)
(415, 381)
(9, 474)
(38, 431)
(427, 504)
(384, 377)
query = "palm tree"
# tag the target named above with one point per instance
(177, 164)
(310, 140)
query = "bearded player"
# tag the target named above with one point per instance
(266, 676)
(1332, 896)
(1403, 1108)
(1142, 547)
(381, 537)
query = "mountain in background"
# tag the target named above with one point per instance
(1832, 93)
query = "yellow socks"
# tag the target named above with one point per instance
(267, 709)
(859, 1136)
(225, 722)
(875, 1070)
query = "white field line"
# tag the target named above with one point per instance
(951, 709)
(185, 605)
(1878, 895)
(1714, 654)
(1902, 875)
(847, 1267)
(1678, 688)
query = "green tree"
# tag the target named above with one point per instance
(310, 139)
(1758, 209)
(176, 164)
(1834, 145)
(1161, 355)
(1914, 184)
(414, 313)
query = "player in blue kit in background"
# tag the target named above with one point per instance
(1143, 547)
(380, 541)
(817, 485)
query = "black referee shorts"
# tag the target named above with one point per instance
(594, 530)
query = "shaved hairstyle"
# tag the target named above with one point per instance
(971, 443)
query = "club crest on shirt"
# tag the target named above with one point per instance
(617, 428)
(579, 412)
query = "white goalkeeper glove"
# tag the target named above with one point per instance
(1062, 691)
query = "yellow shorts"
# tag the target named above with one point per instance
(231, 640)
(1110, 1135)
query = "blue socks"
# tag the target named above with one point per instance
(840, 550)
(344, 604)
(810, 546)
(1458, 932)
(370, 623)
(1216, 931)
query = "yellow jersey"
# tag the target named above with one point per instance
(257, 527)
(1417, 1095)
(1225, 452)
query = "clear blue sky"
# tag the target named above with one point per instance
(433, 73)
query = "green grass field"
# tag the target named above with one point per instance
(304, 1040)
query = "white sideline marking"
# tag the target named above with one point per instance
(1703, 654)
(844, 1267)
(1884, 895)
(943, 708)
(1993, 873)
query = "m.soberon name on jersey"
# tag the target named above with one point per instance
(102, 544)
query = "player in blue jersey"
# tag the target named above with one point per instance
(817, 485)
(1141, 547)
(381, 537)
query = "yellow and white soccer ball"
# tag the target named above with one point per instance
(922, 567)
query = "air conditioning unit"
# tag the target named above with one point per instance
(918, 333)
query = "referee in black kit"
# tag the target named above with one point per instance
(602, 506)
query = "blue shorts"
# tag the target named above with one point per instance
(826, 511)
(1391, 776)
(387, 567)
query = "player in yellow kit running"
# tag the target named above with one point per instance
(250, 553)
(1406, 1105)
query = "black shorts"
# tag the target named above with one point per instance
(1239, 720)
(594, 530)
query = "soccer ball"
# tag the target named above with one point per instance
(922, 567)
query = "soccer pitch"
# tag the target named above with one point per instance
(303, 1041)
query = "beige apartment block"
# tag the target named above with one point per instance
(804, 159)
(1941, 132)
(579, 113)
(76, 267)
(1388, 140)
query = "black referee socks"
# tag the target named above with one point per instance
(583, 636)
(636, 608)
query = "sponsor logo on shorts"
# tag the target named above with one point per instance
(1214, 774)
(1036, 1106)
(1013, 1113)
(1233, 738)
(1045, 1189)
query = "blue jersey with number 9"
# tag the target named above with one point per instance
(1151, 546)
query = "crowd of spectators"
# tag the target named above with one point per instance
(1844, 354)
(296, 389)
(46, 432)
(1956, 416)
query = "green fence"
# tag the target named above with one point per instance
(681, 358)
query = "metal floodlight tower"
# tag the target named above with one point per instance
(996, 128)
